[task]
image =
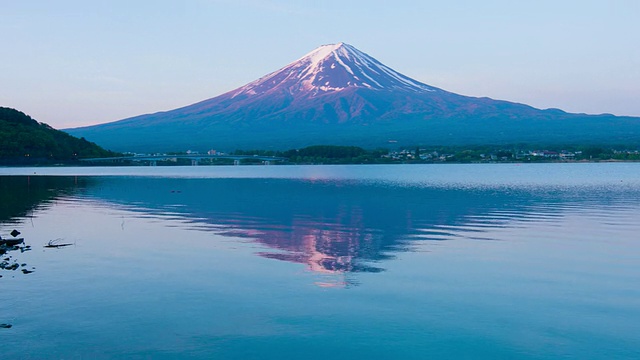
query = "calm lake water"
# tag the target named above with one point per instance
(316, 262)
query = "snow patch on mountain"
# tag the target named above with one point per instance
(333, 67)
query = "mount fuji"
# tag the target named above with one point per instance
(339, 95)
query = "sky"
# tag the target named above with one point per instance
(72, 63)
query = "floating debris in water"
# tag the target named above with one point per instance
(15, 233)
(5, 326)
(56, 244)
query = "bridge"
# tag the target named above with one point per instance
(195, 158)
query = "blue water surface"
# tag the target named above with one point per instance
(506, 261)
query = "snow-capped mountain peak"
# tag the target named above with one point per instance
(330, 68)
(338, 95)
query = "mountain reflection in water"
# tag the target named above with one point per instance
(339, 226)
(489, 262)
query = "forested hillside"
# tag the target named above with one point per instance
(23, 140)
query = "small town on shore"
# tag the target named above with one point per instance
(329, 154)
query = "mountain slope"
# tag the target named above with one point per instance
(24, 140)
(339, 95)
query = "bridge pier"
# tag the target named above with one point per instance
(153, 163)
(236, 162)
(266, 162)
(194, 162)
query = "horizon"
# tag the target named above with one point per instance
(72, 64)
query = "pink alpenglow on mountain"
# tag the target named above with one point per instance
(329, 68)
(316, 86)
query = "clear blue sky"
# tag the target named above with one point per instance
(71, 63)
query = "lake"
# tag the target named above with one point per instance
(503, 261)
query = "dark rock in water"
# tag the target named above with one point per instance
(15, 233)
(11, 242)
(8, 263)
(5, 326)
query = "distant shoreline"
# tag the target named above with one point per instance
(40, 166)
